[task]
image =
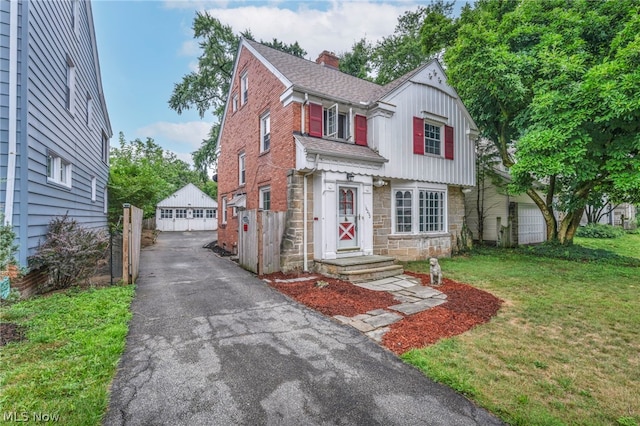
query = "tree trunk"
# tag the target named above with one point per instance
(547, 214)
(569, 226)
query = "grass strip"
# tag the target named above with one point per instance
(64, 367)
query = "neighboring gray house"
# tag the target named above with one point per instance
(54, 126)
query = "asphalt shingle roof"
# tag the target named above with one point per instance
(320, 79)
(339, 149)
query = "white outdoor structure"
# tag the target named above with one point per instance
(187, 209)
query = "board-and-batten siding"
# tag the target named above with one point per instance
(395, 138)
(50, 126)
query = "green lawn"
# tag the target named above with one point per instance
(64, 367)
(628, 245)
(564, 348)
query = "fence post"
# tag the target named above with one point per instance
(126, 237)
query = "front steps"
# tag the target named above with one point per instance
(359, 268)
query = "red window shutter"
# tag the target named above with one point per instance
(448, 142)
(315, 120)
(418, 135)
(361, 130)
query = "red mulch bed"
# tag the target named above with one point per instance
(466, 307)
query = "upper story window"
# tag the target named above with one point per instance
(105, 148)
(234, 102)
(335, 124)
(241, 169)
(265, 132)
(70, 88)
(244, 88)
(432, 137)
(58, 170)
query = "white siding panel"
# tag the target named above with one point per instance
(395, 136)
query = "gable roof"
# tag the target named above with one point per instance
(188, 196)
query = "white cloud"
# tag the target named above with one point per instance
(316, 26)
(187, 136)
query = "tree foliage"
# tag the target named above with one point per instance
(555, 85)
(206, 89)
(357, 62)
(142, 173)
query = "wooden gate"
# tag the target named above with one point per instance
(131, 239)
(259, 237)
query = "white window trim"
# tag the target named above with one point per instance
(58, 170)
(70, 92)
(242, 168)
(265, 130)
(164, 215)
(181, 213)
(234, 102)
(94, 188)
(89, 110)
(415, 206)
(224, 210)
(333, 112)
(441, 127)
(264, 190)
(244, 88)
(213, 214)
(105, 148)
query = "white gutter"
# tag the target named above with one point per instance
(13, 112)
(305, 265)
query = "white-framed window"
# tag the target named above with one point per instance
(244, 88)
(210, 213)
(224, 210)
(181, 213)
(166, 213)
(94, 188)
(242, 177)
(432, 138)
(265, 198)
(335, 124)
(89, 110)
(75, 16)
(265, 132)
(234, 102)
(234, 211)
(105, 200)
(419, 210)
(70, 88)
(198, 213)
(105, 148)
(58, 170)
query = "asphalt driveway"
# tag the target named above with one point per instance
(211, 344)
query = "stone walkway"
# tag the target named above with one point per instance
(407, 290)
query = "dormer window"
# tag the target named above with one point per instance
(332, 123)
(335, 123)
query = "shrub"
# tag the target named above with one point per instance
(7, 245)
(70, 253)
(598, 230)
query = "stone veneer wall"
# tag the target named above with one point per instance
(414, 247)
(291, 248)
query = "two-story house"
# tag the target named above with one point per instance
(55, 130)
(362, 169)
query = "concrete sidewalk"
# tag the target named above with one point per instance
(211, 344)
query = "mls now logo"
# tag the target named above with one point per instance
(14, 416)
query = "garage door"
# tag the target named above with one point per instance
(531, 224)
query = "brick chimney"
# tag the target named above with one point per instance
(328, 59)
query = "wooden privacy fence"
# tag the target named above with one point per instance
(259, 237)
(131, 239)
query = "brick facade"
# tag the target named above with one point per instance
(242, 134)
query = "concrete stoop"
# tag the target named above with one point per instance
(359, 268)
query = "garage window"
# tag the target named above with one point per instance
(181, 213)
(166, 213)
(211, 213)
(198, 213)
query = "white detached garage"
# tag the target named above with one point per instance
(187, 209)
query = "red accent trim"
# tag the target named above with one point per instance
(448, 142)
(361, 130)
(347, 231)
(418, 135)
(315, 120)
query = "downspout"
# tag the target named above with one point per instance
(13, 112)
(305, 261)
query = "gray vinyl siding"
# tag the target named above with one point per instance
(4, 98)
(46, 125)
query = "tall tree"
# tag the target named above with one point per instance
(357, 62)
(555, 85)
(206, 88)
(142, 173)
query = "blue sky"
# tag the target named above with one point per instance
(146, 46)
